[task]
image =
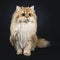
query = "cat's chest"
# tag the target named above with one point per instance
(24, 32)
(25, 27)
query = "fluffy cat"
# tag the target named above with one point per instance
(23, 30)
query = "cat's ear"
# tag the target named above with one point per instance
(32, 7)
(18, 8)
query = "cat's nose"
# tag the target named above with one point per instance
(26, 16)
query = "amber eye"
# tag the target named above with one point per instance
(23, 14)
(29, 14)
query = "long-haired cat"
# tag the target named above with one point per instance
(23, 30)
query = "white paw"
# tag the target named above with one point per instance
(27, 52)
(19, 52)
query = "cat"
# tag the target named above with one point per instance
(23, 30)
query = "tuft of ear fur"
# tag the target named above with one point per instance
(17, 8)
(32, 7)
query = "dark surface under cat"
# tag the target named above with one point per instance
(48, 28)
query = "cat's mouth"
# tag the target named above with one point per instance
(26, 21)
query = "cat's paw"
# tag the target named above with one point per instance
(27, 52)
(19, 52)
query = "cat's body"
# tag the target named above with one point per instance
(23, 30)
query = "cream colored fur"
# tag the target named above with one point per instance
(23, 30)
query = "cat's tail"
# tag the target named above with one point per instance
(42, 43)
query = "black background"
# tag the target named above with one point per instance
(48, 27)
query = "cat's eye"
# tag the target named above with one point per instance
(23, 14)
(29, 14)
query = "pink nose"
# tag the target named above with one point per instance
(26, 16)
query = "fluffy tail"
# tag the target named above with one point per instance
(42, 43)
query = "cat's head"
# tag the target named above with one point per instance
(25, 14)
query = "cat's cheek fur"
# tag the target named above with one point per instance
(31, 19)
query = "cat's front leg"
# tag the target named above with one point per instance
(18, 48)
(27, 49)
(15, 44)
